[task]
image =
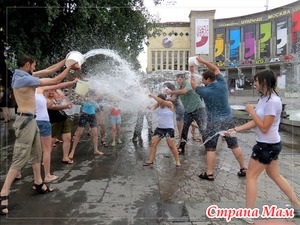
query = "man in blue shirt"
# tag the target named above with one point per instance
(215, 95)
(27, 148)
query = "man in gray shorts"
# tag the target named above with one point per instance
(27, 146)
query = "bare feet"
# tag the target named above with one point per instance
(67, 161)
(50, 178)
(98, 152)
(71, 155)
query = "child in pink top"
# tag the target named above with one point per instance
(115, 120)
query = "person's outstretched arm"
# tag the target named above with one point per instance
(50, 70)
(209, 65)
(193, 78)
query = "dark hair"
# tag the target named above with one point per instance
(162, 96)
(267, 79)
(181, 75)
(169, 85)
(209, 74)
(23, 59)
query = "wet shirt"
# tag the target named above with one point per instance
(191, 100)
(165, 118)
(89, 107)
(41, 111)
(23, 79)
(215, 96)
(267, 107)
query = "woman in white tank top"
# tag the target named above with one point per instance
(43, 121)
(165, 128)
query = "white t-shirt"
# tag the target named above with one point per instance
(266, 107)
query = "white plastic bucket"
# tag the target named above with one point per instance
(82, 87)
(73, 57)
(193, 61)
(76, 109)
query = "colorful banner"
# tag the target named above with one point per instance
(296, 32)
(249, 39)
(264, 41)
(202, 36)
(220, 44)
(235, 42)
(281, 36)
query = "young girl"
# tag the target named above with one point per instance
(115, 120)
(165, 128)
(266, 120)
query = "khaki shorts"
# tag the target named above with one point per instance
(27, 147)
(60, 128)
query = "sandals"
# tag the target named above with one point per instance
(206, 176)
(3, 198)
(104, 143)
(242, 172)
(40, 190)
(181, 150)
(148, 164)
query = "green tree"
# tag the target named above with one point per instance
(48, 29)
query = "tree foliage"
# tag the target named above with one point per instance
(48, 29)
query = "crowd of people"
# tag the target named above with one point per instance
(41, 120)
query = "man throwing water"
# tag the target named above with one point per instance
(215, 95)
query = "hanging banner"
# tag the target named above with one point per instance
(249, 38)
(296, 32)
(235, 42)
(281, 36)
(220, 44)
(202, 36)
(264, 41)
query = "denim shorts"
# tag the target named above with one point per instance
(45, 128)
(115, 119)
(164, 132)
(265, 153)
(87, 118)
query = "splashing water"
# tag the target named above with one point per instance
(113, 76)
(221, 133)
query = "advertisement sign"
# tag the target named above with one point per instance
(281, 36)
(249, 38)
(202, 36)
(296, 32)
(235, 42)
(265, 38)
(220, 41)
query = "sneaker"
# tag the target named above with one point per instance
(113, 143)
(119, 141)
(247, 220)
(135, 139)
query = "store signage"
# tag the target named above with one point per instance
(260, 61)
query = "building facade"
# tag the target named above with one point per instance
(239, 46)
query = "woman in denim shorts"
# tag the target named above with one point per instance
(266, 120)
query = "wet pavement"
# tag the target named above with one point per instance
(117, 189)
